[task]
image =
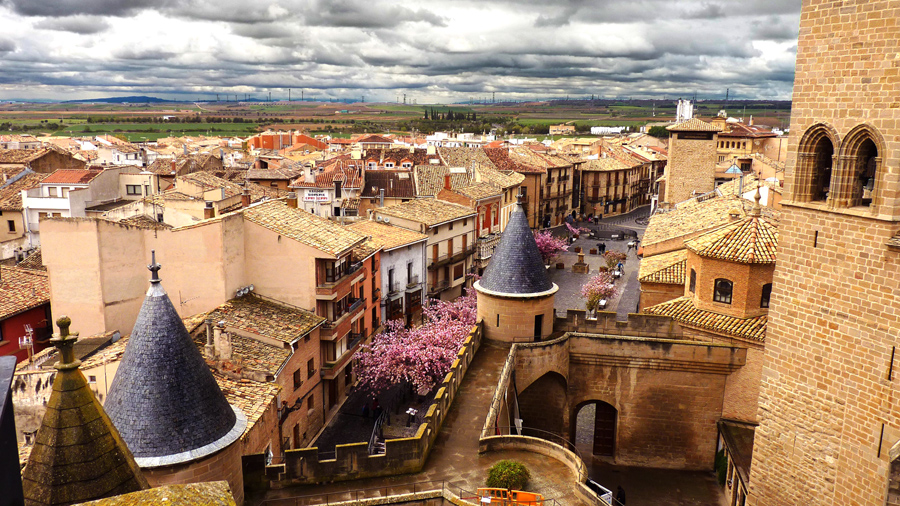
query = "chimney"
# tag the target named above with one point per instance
(209, 211)
(184, 148)
(308, 176)
(447, 185)
(245, 197)
(337, 189)
(292, 200)
(210, 348)
(222, 341)
(381, 197)
(173, 166)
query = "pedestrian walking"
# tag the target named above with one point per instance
(620, 496)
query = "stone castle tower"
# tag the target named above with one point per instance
(829, 418)
(515, 295)
(692, 161)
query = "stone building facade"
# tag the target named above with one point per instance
(828, 428)
(692, 161)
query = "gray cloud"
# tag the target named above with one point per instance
(444, 50)
(80, 24)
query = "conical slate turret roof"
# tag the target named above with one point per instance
(78, 455)
(516, 266)
(164, 400)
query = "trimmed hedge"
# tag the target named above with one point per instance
(508, 474)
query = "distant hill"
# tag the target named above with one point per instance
(119, 100)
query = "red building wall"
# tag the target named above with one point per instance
(12, 328)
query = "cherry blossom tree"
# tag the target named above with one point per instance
(613, 258)
(598, 287)
(549, 246)
(420, 356)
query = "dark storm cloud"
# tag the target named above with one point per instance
(80, 24)
(442, 49)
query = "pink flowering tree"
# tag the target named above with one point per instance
(598, 287)
(549, 246)
(612, 258)
(575, 231)
(421, 356)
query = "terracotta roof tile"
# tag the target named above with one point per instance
(34, 261)
(693, 125)
(347, 172)
(752, 240)
(389, 237)
(307, 228)
(208, 181)
(480, 191)
(400, 155)
(427, 211)
(269, 319)
(395, 183)
(21, 290)
(11, 194)
(603, 164)
(668, 268)
(683, 311)
(72, 176)
(430, 179)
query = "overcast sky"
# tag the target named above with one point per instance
(435, 51)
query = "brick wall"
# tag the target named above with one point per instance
(827, 418)
(691, 167)
(657, 293)
(746, 293)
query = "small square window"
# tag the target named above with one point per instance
(310, 402)
(133, 189)
(722, 291)
(310, 368)
(11, 225)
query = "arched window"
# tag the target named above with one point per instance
(766, 295)
(693, 285)
(722, 291)
(860, 164)
(814, 164)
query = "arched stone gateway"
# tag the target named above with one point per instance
(594, 427)
(542, 405)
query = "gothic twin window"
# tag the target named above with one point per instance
(846, 180)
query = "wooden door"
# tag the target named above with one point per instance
(605, 430)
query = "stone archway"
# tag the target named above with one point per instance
(543, 406)
(594, 428)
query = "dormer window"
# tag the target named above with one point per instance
(388, 165)
(722, 291)
(406, 165)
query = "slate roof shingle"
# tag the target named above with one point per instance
(516, 266)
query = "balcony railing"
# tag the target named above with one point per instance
(412, 282)
(394, 288)
(456, 257)
(439, 287)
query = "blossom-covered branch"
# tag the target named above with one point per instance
(598, 287)
(549, 246)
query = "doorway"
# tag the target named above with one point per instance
(595, 428)
(538, 326)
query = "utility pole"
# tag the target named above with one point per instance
(726, 94)
(301, 95)
(289, 94)
(404, 99)
(493, 97)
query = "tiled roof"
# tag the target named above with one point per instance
(466, 157)
(742, 130)
(668, 268)
(21, 290)
(430, 179)
(503, 180)
(252, 397)
(399, 155)
(11, 194)
(480, 191)
(516, 266)
(208, 181)
(307, 228)
(683, 311)
(72, 176)
(144, 221)
(504, 162)
(347, 173)
(389, 237)
(427, 211)
(603, 164)
(395, 183)
(22, 156)
(693, 125)
(269, 319)
(34, 261)
(894, 242)
(375, 139)
(752, 240)
(273, 174)
(77, 455)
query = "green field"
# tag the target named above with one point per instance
(153, 131)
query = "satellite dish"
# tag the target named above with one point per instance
(387, 220)
(251, 287)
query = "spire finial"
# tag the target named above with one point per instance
(63, 342)
(757, 209)
(154, 267)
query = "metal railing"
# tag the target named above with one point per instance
(376, 440)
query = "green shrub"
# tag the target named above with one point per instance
(508, 474)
